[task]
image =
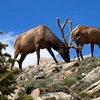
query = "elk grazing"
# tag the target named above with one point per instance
(85, 35)
(38, 38)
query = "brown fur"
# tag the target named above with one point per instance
(86, 34)
(39, 38)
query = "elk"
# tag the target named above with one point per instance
(40, 37)
(85, 35)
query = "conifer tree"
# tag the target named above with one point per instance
(6, 75)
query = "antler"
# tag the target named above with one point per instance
(62, 28)
(71, 32)
(75, 39)
(70, 28)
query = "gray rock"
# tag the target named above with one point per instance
(93, 89)
(59, 96)
(93, 76)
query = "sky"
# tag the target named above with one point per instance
(18, 16)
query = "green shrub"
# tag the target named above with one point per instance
(27, 97)
(6, 75)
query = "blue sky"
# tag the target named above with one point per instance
(18, 16)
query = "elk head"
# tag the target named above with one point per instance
(65, 54)
(64, 51)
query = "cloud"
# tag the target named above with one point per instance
(9, 38)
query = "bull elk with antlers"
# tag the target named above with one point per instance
(38, 38)
(85, 35)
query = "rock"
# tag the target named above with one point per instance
(93, 76)
(96, 98)
(91, 59)
(38, 98)
(29, 68)
(50, 68)
(35, 94)
(33, 73)
(98, 63)
(18, 93)
(44, 61)
(83, 74)
(76, 64)
(67, 65)
(69, 73)
(93, 89)
(40, 77)
(58, 96)
(86, 57)
(57, 69)
(48, 98)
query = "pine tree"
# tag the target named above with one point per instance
(7, 79)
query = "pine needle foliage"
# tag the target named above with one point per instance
(7, 79)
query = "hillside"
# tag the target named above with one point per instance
(62, 81)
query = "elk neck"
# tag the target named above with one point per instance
(57, 45)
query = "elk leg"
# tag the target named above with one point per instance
(92, 50)
(15, 56)
(77, 51)
(81, 54)
(38, 53)
(80, 51)
(52, 54)
(21, 60)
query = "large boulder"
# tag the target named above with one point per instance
(93, 76)
(93, 89)
(18, 93)
(57, 96)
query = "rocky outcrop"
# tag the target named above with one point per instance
(93, 76)
(37, 72)
(18, 93)
(61, 72)
(93, 89)
(35, 94)
(57, 96)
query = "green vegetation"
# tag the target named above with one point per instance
(7, 79)
(27, 97)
